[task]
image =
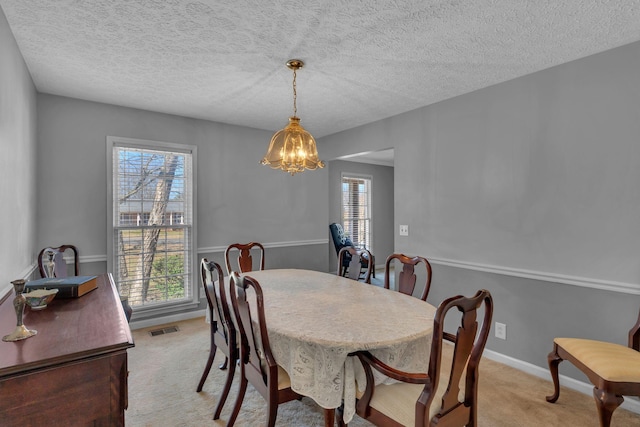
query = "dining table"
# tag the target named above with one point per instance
(315, 320)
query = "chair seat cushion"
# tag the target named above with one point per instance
(283, 379)
(612, 362)
(398, 401)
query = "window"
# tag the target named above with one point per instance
(356, 209)
(151, 222)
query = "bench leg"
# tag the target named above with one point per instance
(554, 360)
(606, 403)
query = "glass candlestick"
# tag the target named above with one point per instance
(21, 332)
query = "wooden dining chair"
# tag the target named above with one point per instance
(420, 399)
(406, 281)
(613, 369)
(51, 262)
(257, 364)
(356, 269)
(223, 333)
(238, 257)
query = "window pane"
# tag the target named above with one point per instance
(356, 210)
(152, 225)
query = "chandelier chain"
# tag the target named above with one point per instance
(295, 95)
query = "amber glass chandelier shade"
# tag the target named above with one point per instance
(293, 149)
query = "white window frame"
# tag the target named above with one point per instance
(191, 299)
(368, 241)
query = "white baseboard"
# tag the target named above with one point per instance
(145, 323)
(630, 403)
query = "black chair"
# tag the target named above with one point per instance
(223, 333)
(341, 240)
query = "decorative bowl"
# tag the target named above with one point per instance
(39, 298)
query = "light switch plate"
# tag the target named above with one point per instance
(501, 331)
(404, 230)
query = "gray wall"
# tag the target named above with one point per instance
(17, 162)
(238, 199)
(529, 189)
(381, 201)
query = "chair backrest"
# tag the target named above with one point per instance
(340, 240)
(357, 261)
(51, 262)
(238, 257)
(255, 352)
(217, 301)
(469, 345)
(406, 281)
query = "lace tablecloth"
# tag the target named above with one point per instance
(315, 320)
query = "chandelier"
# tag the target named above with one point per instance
(293, 149)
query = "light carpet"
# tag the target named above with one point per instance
(165, 370)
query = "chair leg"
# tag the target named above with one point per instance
(554, 360)
(606, 403)
(473, 407)
(225, 390)
(340, 416)
(329, 417)
(207, 368)
(224, 364)
(239, 399)
(273, 414)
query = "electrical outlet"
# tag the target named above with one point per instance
(501, 331)
(404, 230)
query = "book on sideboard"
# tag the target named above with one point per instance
(68, 287)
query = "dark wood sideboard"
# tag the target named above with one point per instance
(74, 371)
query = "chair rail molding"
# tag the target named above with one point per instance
(86, 259)
(214, 249)
(585, 282)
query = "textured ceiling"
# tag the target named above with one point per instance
(365, 60)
